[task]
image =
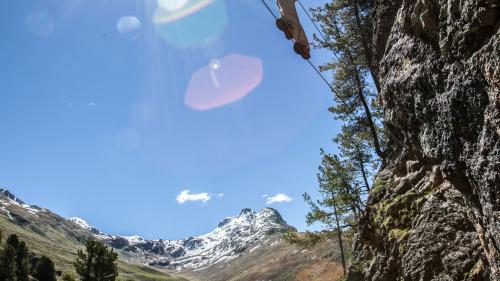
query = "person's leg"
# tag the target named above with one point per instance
(301, 45)
(301, 36)
(288, 11)
(289, 16)
(283, 22)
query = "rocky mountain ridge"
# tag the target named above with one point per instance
(233, 237)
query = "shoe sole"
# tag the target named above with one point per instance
(298, 49)
(283, 26)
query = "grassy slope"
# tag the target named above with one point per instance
(60, 244)
(276, 260)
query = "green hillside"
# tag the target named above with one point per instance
(51, 235)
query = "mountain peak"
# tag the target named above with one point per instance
(266, 216)
(273, 214)
(84, 225)
(233, 237)
(81, 223)
(8, 194)
(246, 211)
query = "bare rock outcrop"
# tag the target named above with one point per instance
(434, 213)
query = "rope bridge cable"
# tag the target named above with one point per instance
(308, 60)
(318, 71)
(269, 9)
(312, 65)
(317, 27)
(311, 19)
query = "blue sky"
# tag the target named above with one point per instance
(94, 122)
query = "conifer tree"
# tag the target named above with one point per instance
(8, 264)
(22, 263)
(96, 263)
(45, 270)
(346, 28)
(13, 241)
(339, 207)
(355, 147)
(345, 178)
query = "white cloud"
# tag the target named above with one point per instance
(278, 198)
(220, 195)
(186, 195)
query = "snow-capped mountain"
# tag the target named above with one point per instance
(84, 225)
(233, 237)
(245, 247)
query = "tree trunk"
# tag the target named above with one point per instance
(363, 171)
(366, 49)
(368, 113)
(339, 236)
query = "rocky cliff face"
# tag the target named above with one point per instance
(435, 210)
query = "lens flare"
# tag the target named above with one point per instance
(184, 23)
(223, 82)
(171, 6)
(172, 10)
(40, 23)
(129, 27)
(214, 64)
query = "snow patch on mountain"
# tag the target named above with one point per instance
(8, 199)
(233, 237)
(133, 239)
(87, 226)
(81, 223)
(3, 208)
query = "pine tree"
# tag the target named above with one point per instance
(306, 240)
(346, 28)
(13, 241)
(340, 204)
(44, 270)
(22, 263)
(8, 264)
(345, 178)
(355, 147)
(97, 263)
(339, 207)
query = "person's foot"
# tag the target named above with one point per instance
(286, 27)
(302, 50)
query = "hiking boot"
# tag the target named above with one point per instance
(302, 50)
(286, 27)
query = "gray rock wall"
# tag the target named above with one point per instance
(435, 210)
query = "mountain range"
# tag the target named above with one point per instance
(248, 246)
